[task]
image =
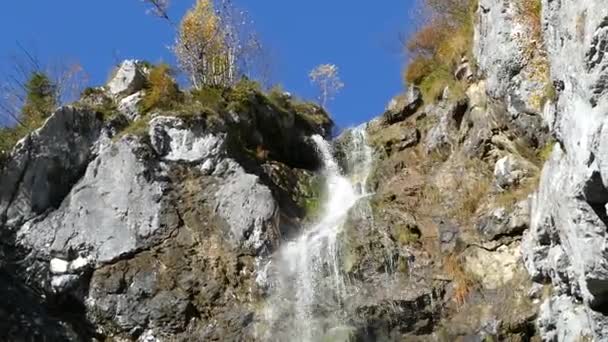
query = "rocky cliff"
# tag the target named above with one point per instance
(484, 215)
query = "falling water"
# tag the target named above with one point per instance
(308, 292)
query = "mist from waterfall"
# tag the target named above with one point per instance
(308, 289)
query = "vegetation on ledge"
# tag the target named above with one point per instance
(439, 46)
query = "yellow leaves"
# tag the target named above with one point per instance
(202, 49)
(200, 23)
(162, 91)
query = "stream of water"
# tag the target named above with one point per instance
(308, 292)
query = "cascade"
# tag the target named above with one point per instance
(308, 289)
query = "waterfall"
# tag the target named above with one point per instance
(307, 294)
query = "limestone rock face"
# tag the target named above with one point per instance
(44, 165)
(173, 140)
(566, 242)
(129, 105)
(157, 235)
(508, 48)
(116, 209)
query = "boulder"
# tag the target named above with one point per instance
(128, 79)
(503, 222)
(403, 106)
(129, 106)
(442, 137)
(248, 207)
(511, 170)
(502, 49)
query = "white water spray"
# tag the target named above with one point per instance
(307, 295)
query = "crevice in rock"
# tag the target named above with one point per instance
(596, 195)
(3, 216)
(459, 113)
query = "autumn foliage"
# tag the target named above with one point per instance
(436, 49)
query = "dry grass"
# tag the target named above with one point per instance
(437, 48)
(464, 283)
(531, 11)
(509, 198)
(581, 23)
(470, 199)
(138, 128)
(431, 195)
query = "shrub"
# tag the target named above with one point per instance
(41, 97)
(210, 97)
(241, 95)
(439, 46)
(161, 90)
(418, 69)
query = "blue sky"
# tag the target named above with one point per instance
(360, 37)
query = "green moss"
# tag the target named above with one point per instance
(242, 94)
(403, 265)
(313, 192)
(138, 128)
(92, 91)
(406, 236)
(210, 97)
(434, 84)
(545, 152)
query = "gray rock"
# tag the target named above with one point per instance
(403, 106)
(567, 241)
(44, 165)
(64, 282)
(503, 47)
(116, 209)
(501, 222)
(248, 207)
(174, 140)
(442, 137)
(511, 170)
(128, 79)
(129, 106)
(464, 72)
(449, 234)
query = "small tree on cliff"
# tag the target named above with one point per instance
(326, 78)
(215, 43)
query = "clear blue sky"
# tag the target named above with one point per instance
(361, 37)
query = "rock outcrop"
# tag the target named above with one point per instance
(565, 245)
(151, 235)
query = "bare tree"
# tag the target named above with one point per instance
(325, 76)
(159, 8)
(68, 80)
